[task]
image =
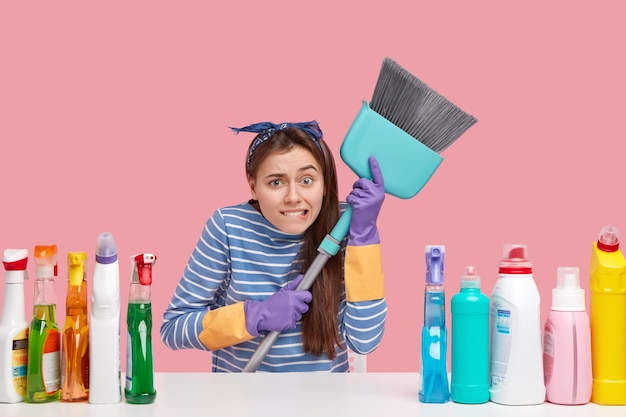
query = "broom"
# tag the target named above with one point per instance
(402, 106)
(414, 107)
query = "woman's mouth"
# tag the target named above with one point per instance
(298, 213)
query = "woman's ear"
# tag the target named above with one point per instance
(252, 185)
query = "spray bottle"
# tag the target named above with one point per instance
(13, 328)
(607, 288)
(470, 342)
(139, 361)
(567, 342)
(75, 343)
(516, 350)
(435, 387)
(44, 340)
(104, 335)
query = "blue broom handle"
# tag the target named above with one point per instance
(327, 249)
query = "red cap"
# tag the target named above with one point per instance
(608, 241)
(515, 260)
(15, 259)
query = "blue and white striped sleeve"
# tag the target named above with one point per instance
(364, 324)
(199, 288)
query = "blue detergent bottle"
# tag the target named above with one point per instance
(469, 343)
(435, 387)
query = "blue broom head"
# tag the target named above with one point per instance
(406, 163)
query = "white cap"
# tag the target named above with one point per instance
(568, 296)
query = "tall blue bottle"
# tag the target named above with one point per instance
(470, 342)
(435, 387)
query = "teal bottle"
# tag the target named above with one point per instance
(139, 387)
(470, 342)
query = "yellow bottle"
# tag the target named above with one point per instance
(75, 342)
(607, 287)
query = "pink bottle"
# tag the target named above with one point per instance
(567, 342)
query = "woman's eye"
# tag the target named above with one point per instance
(275, 183)
(307, 180)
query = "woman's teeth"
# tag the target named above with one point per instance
(294, 213)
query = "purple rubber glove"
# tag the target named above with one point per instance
(279, 312)
(366, 200)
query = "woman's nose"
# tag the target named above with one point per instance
(293, 195)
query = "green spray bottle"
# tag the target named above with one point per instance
(139, 388)
(43, 378)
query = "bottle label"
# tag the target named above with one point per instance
(19, 361)
(548, 355)
(129, 363)
(501, 343)
(50, 362)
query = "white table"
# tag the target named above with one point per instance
(301, 394)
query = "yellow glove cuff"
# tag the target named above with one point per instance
(224, 326)
(364, 276)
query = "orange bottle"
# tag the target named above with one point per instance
(75, 345)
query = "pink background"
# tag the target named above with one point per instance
(113, 117)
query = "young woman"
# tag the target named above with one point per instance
(241, 278)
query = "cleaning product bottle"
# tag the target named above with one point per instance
(44, 340)
(607, 310)
(104, 335)
(13, 328)
(567, 342)
(516, 350)
(435, 387)
(139, 362)
(75, 343)
(470, 342)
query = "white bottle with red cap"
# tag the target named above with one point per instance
(516, 348)
(13, 328)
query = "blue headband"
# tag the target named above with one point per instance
(265, 130)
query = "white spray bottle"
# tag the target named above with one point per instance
(14, 328)
(104, 335)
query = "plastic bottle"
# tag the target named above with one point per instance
(607, 311)
(567, 342)
(75, 343)
(516, 349)
(139, 387)
(13, 328)
(435, 387)
(104, 335)
(470, 342)
(44, 339)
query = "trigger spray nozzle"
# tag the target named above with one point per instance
(142, 268)
(434, 264)
(46, 261)
(76, 267)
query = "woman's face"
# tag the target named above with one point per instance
(289, 187)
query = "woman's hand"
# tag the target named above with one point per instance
(366, 199)
(281, 311)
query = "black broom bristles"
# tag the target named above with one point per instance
(414, 107)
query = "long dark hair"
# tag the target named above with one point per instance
(319, 324)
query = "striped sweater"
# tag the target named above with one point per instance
(241, 256)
